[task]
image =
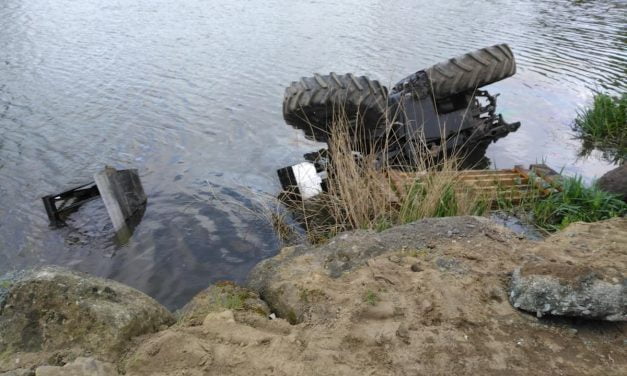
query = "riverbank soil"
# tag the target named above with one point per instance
(427, 298)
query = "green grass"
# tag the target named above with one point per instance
(446, 202)
(226, 295)
(371, 297)
(234, 302)
(575, 203)
(604, 126)
(360, 195)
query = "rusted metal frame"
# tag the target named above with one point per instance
(57, 206)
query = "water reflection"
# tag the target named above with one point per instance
(607, 152)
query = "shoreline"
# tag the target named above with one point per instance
(433, 296)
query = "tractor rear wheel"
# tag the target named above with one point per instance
(464, 73)
(314, 103)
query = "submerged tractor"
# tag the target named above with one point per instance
(436, 111)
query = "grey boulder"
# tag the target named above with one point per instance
(50, 309)
(568, 290)
(615, 181)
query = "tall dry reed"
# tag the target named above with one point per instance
(362, 192)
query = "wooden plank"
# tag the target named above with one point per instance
(489, 177)
(122, 193)
(548, 174)
(535, 180)
(503, 182)
(518, 188)
(510, 184)
(487, 172)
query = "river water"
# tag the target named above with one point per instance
(189, 93)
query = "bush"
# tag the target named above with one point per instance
(576, 203)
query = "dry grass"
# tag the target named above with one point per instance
(361, 195)
(362, 192)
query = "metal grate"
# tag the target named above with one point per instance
(512, 185)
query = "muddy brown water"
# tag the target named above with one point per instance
(190, 94)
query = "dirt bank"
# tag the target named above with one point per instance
(428, 298)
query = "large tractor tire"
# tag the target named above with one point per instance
(463, 73)
(313, 103)
(471, 71)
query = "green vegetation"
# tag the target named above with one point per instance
(227, 295)
(363, 194)
(575, 203)
(371, 297)
(604, 126)
(234, 302)
(440, 195)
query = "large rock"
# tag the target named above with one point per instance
(53, 309)
(567, 290)
(218, 297)
(579, 272)
(615, 181)
(292, 282)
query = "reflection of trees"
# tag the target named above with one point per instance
(609, 153)
(603, 126)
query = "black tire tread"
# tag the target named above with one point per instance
(472, 70)
(323, 94)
